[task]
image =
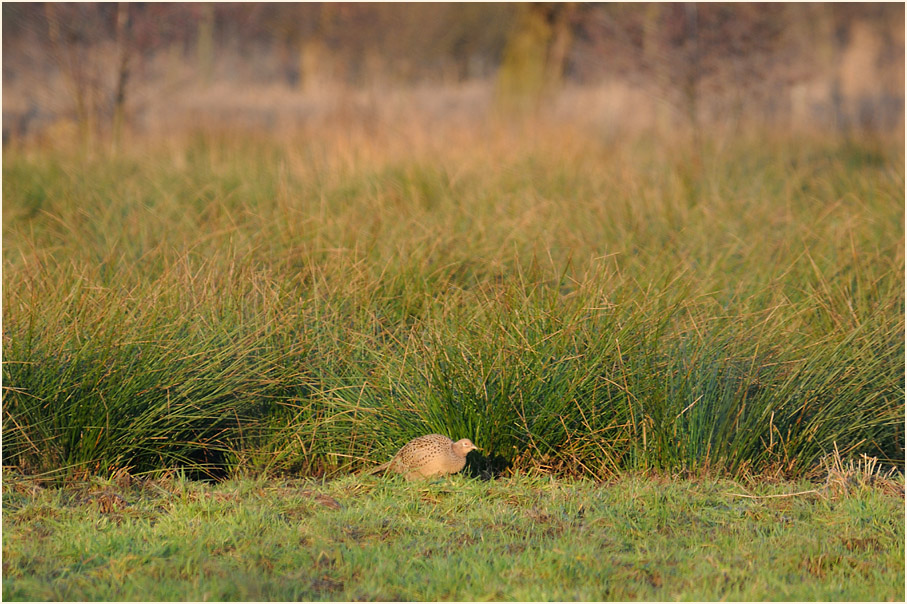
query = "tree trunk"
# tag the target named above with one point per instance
(124, 47)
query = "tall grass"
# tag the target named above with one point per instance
(307, 305)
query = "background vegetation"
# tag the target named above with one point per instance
(105, 70)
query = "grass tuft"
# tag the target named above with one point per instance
(231, 305)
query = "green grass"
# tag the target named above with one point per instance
(519, 538)
(308, 305)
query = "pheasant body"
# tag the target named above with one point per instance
(429, 455)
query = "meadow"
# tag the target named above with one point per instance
(519, 538)
(572, 301)
(658, 345)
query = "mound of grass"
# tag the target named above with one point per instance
(309, 305)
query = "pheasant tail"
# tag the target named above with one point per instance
(376, 469)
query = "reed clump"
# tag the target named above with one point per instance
(227, 303)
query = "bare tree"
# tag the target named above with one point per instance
(124, 47)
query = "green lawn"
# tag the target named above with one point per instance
(520, 538)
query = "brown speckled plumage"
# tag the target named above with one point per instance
(429, 455)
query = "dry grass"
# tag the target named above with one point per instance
(845, 477)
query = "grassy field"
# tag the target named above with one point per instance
(567, 300)
(602, 316)
(518, 538)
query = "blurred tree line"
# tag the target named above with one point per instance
(689, 54)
